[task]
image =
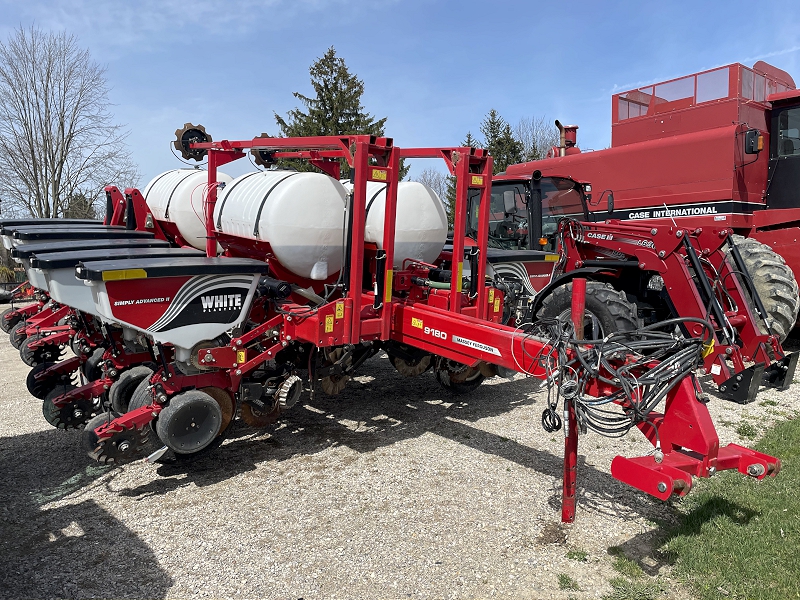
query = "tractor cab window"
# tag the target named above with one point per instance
(560, 198)
(788, 143)
(508, 218)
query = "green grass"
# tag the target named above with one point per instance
(579, 555)
(565, 582)
(739, 538)
(625, 589)
(624, 565)
(746, 430)
(768, 403)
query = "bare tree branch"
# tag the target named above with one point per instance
(58, 140)
(537, 135)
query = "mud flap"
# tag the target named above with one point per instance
(743, 387)
(779, 374)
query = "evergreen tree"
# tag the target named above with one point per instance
(335, 109)
(499, 140)
(469, 142)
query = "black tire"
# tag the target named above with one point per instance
(7, 324)
(18, 335)
(607, 310)
(42, 354)
(456, 378)
(140, 397)
(88, 437)
(93, 367)
(774, 281)
(39, 388)
(190, 422)
(123, 388)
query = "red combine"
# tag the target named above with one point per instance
(720, 148)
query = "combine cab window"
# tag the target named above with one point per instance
(789, 132)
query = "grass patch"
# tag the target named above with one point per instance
(768, 403)
(579, 555)
(739, 538)
(625, 589)
(746, 430)
(624, 565)
(565, 582)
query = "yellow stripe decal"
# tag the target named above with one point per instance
(387, 296)
(551, 258)
(124, 274)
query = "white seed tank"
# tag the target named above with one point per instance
(421, 225)
(177, 197)
(301, 215)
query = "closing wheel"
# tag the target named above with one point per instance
(39, 388)
(456, 377)
(190, 422)
(122, 389)
(35, 356)
(774, 282)
(607, 310)
(72, 416)
(8, 318)
(121, 447)
(93, 367)
(18, 334)
(89, 437)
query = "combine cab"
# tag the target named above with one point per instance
(720, 148)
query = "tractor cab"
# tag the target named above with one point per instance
(784, 151)
(525, 212)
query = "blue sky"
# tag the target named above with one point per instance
(433, 68)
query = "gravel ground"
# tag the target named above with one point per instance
(390, 490)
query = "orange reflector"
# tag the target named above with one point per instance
(760, 142)
(543, 241)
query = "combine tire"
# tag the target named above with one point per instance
(774, 282)
(607, 310)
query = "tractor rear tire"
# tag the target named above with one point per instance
(774, 282)
(607, 309)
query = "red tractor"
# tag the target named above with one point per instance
(720, 148)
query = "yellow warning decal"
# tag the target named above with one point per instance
(379, 175)
(340, 310)
(387, 296)
(124, 274)
(329, 324)
(477, 180)
(707, 349)
(551, 258)
(497, 305)
(416, 323)
(459, 276)
(491, 295)
(241, 357)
